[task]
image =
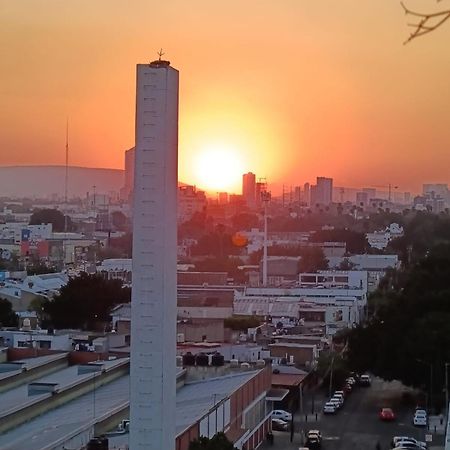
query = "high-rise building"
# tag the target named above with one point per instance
(307, 193)
(322, 192)
(154, 290)
(249, 188)
(127, 189)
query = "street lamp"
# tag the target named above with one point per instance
(446, 391)
(430, 365)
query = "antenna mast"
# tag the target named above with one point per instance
(66, 184)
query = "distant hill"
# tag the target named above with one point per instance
(43, 181)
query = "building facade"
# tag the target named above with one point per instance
(153, 325)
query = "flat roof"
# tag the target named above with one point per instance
(194, 400)
(292, 345)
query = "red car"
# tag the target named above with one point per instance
(387, 414)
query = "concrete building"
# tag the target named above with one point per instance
(190, 201)
(249, 189)
(153, 324)
(322, 192)
(375, 265)
(127, 189)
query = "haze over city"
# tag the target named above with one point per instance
(225, 225)
(288, 90)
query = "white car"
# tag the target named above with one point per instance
(398, 440)
(420, 419)
(281, 414)
(329, 408)
(339, 397)
(336, 402)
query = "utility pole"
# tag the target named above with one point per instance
(265, 197)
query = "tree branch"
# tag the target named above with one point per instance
(427, 23)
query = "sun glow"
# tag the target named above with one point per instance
(218, 168)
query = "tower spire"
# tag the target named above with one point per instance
(66, 181)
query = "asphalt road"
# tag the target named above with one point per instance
(357, 426)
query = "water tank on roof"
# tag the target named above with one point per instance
(217, 360)
(260, 363)
(188, 359)
(179, 361)
(245, 365)
(26, 324)
(234, 363)
(98, 443)
(201, 359)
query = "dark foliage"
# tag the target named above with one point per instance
(8, 318)
(218, 442)
(53, 216)
(84, 301)
(410, 328)
(355, 242)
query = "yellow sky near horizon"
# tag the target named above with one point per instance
(296, 88)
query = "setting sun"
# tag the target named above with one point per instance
(218, 168)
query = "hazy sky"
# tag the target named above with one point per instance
(290, 88)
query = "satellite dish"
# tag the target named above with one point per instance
(6, 254)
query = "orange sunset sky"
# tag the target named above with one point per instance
(288, 89)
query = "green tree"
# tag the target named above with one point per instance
(218, 442)
(410, 329)
(355, 241)
(312, 260)
(53, 216)
(84, 301)
(8, 318)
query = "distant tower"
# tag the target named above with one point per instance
(154, 289)
(127, 189)
(248, 188)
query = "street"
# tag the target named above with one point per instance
(356, 425)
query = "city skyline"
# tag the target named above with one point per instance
(358, 107)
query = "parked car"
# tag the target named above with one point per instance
(314, 433)
(336, 402)
(313, 439)
(329, 408)
(348, 389)
(407, 445)
(342, 393)
(396, 440)
(420, 418)
(281, 414)
(351, 381)
(364, 380)
(386, 414)
(339, 396)
(280, 425)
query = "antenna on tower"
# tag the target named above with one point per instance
(66, 183)
(160, 54)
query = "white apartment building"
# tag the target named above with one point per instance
(342, 295)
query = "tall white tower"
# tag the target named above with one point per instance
(153, 305)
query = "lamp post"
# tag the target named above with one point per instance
(430, 365)
(446, 391)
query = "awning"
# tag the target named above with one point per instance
(276, 395)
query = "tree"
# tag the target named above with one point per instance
(119, 220)
(425, 22)
(312, 260)
(53, 216)
(8, 318)
(218, 442)
(355, 242)
(84, 301)
(410, 329)
(346, 264)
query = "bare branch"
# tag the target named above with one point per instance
(427, 23)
